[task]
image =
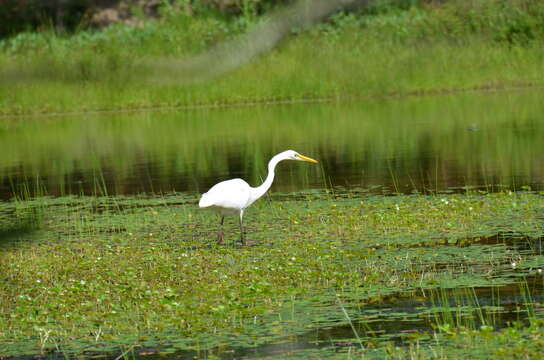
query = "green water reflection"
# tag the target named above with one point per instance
(412, 144)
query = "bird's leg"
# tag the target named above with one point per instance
(220, 238)
(242, 228)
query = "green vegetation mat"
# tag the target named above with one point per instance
(87, 274)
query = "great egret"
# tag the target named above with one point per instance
(231, 197)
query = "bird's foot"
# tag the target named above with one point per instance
(242, 240)
(220, 238)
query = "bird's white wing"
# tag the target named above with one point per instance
(231, 194)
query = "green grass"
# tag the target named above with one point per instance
(100, 273)
(373, 54)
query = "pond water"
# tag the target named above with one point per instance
(418, 144)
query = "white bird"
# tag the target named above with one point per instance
(232, 197)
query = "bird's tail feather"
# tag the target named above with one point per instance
(205, 201)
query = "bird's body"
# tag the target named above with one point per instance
(232, 197)
(227, 197)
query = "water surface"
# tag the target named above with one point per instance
(422, 144)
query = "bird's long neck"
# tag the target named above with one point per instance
(259, 191)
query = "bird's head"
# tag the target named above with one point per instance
(293, 155)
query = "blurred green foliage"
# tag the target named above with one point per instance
(30, 15)
(390, 47)
(71, 15)
(197, 23)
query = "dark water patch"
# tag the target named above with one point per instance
(521, 243)
(16, 229)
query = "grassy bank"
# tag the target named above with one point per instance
(378, 52)
(98, 274)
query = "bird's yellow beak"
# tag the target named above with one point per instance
(305, 158)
